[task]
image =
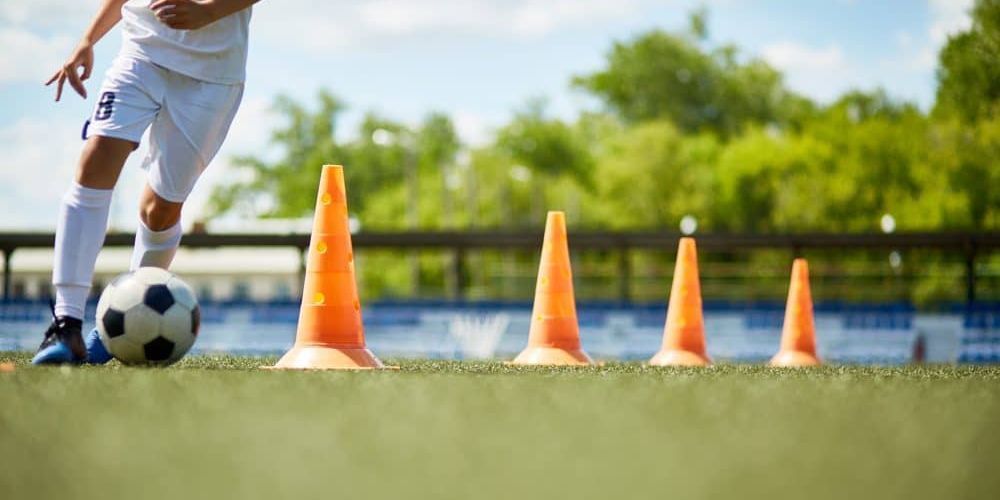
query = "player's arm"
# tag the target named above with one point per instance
(77, 68)
(195, 14)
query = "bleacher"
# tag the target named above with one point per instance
(736, 332)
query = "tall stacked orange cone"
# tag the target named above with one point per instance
(554, 337)
(684, 333)
(798, 336)
(330, 334)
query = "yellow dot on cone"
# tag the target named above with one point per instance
(319, 299)
(326, 199)
(321, 247)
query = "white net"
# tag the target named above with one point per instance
(478, 335)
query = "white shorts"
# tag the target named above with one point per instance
(188, 120)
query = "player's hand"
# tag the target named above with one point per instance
(81, 59)
(184, 14)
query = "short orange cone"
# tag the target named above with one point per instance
(684, 333)
(798, 337)
(330, 335)
(554, 338)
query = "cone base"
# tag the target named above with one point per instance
(676, 357)
(552, 356)
(794, 359)
(310, 357)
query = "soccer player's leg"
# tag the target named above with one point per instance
(159, 231)
(128, 103)
(156, 242)
(83, 221)
(184, 139)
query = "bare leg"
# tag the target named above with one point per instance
(101, 162)
(157, 213)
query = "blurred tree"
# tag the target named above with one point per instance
(275, 189)
(438, 144)
(651, 175)
(376, 159)
(660, 75)
(377, 163)
(967, 139)
(549, 148)
(967, 158)
(881, 158)
(767, 182)
(968, 74)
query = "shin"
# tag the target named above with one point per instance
(83, 222)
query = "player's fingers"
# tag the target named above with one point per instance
(79, 88)
(158, 4)
(54, 78)
(74, 81)
(87, 66)
(170, 10)
(59, 86)
(165, 13)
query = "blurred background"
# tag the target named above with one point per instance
(833, 121)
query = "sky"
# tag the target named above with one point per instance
(476, 60)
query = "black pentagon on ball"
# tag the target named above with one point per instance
(195, 320)
(158, 349)
(158, 298)
(114, 323)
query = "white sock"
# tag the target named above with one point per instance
(83, 222)
(155, 248)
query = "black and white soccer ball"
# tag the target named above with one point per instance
(148, 317)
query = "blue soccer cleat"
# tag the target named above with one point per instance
(63, 343)
(97, 354)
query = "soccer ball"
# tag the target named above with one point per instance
(148, 317)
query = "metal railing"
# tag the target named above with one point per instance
(969, 245)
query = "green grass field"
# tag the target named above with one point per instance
(219, 428)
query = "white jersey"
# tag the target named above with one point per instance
(216, 53)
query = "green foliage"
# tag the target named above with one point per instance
(275, 189)
(659, 75)
(549, 147)
(655, 174)
(967, 141)
(967, 159)
(969, 76)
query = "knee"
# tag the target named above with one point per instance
(158, 214)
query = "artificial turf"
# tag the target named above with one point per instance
(217, 427)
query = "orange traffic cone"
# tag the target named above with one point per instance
(684, 333)
(330, 335)
(798, 336)
(554, 338)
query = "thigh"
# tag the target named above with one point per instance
(128, 102)
(188, 133)
(101, 162)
